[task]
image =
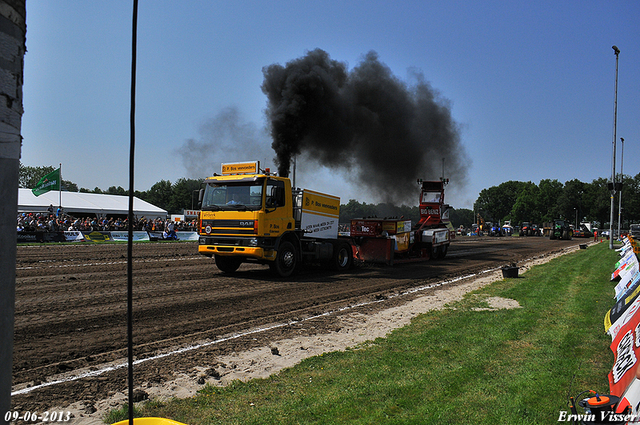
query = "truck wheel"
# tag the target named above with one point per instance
(435, 252)
(286, 260)
(228, 264)
(342, 256)
(443, 251)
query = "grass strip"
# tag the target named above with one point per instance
(459, 365)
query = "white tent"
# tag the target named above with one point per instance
(86, 203)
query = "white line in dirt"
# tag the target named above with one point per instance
(121, 365)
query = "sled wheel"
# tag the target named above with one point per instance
(435, 252)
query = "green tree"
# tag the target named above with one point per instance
(495, 203)
(570, 201)
(160, 194)
(461, 217)
(95, 190)
(547, 203)
(28, 177)
(525, 208)
(631, 199)
(596, 200)
(117, 191)
(184, 195)
(355, 209)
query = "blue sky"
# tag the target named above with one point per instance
(530, 84)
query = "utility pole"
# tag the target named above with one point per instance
(613, 167)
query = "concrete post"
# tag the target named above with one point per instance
(12, 49)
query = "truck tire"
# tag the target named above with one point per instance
(342, 257)
(286, 260)
(228, 264)
(443, 251)
(434, 253)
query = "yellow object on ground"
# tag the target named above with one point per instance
(150, 421)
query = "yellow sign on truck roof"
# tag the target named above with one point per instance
(251, 167)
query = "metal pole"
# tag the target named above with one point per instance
(60, 188)
(620, 191)
(132, 149)
(613, 167)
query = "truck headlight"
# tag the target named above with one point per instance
(253, 242)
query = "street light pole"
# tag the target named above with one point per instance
(613, 167)
(620, 188)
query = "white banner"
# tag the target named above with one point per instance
(73, 236)
(124, 236)
(187, 236)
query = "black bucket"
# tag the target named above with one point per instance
(510, 272)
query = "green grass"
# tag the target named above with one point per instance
(455, 366)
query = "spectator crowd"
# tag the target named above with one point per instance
(50, 222)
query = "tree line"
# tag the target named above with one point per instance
(550, 199)
(513, 200)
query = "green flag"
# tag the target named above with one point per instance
(49, 182)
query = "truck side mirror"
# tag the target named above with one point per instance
(276, 198)
(200, 197)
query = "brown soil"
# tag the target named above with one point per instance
(71, 325)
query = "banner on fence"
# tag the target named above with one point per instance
(73, 236)
(624, 379)
(187, 236)
(26, 237)
(626, 349)
(124, 236)
(99, 236)
(96, 236)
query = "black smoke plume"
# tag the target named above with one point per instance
(365, 121)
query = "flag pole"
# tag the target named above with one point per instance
(60, 189)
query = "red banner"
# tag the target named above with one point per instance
(626, 351)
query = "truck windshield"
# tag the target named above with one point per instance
(431, 197)
(233, 196)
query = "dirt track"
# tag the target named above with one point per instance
(71, 307)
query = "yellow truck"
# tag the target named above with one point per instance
(251, 215)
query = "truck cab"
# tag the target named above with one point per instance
(252, 215)
(242, 217)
